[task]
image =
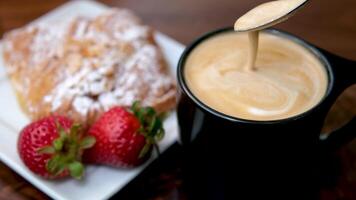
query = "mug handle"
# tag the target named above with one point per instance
(344, 71)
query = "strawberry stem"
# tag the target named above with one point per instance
(157, 149)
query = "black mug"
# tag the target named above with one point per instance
(232, 158)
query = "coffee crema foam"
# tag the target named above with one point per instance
(290, 79)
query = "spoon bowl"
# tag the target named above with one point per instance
(274, 12)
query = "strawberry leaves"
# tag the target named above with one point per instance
(76, 169)
(151, 126)
(46, 150)
(87, 142)
(66, 151)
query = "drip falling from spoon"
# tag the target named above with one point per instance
(251, 61)
(264, 16)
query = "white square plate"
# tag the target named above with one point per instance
(99, 182)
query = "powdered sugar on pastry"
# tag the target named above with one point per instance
(97, 63)
(48, 42)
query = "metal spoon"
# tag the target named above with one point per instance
(268, 14)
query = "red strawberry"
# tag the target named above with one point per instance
(124, 139)
(52, 147)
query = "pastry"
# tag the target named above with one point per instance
(83, 67)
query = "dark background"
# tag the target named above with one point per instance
(325, 23)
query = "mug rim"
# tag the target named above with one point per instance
(311, 48)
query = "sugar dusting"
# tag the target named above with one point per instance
(84, 66)
(48, 42)
(121, 65)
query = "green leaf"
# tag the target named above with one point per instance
(152, 125)
(150, 111)
(155, 127)
(76, 169)
(140, 116)
(87, 142)
(62, 132)
(144, 150)
(159, 135)
(58, 144)
(75, 130)
(60, 167)
(135, 107)
(46, 150)
(53, 164)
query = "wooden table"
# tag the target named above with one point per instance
(328, 24)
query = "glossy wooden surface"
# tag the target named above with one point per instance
(327, 24)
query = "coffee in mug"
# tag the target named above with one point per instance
(288, 79)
